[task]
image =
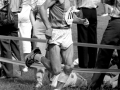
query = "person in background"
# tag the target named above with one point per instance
(111, 36)
(38, 25)
(39, 33)
(107, 7)
(87, 55)
(25, 26)
(10, 48)
(1, 4)
(1, 70)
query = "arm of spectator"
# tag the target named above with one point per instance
(108, 8)
(78, 20)
(33, 14)
(32, 18)
(78, 17)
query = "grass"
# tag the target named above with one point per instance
(27, 81)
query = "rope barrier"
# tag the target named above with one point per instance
(19, 62)
(97, 45)
(97, 70)
(76, 44)
(75, 70)
(22, 39)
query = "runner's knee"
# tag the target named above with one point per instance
(68, 68)
(56, 71)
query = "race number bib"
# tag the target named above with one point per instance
(69, 15)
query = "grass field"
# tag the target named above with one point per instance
(27, 81)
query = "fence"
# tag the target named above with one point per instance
(76, 44)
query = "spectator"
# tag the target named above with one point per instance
(111, 79)
(25, 26)
(1, 4)
(107, 7)
(38, 26)
(110, 37)
(10, 47)
(87, 55)
(38, 32)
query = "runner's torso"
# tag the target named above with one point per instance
(56, 14)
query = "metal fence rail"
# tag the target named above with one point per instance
(76, 44)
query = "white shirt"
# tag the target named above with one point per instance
(89, 3)
(96, 2)
(1, 4)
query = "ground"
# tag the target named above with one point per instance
(27, 81)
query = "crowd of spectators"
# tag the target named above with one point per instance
(46, 19)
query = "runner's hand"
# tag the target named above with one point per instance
(48, 33)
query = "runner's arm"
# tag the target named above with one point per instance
(43, 12)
